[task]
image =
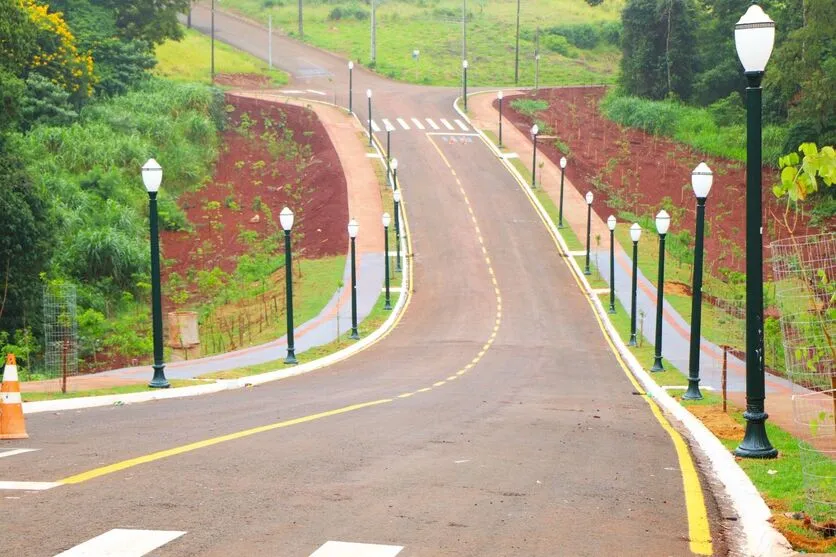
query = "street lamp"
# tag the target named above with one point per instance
(464, 82)
(386, 220)
(635, 234)
(152, 177)
(369, 95)
(389, 129)
(499, 96)
(352, 233)
(534, 131)
(350, 84)
(286, 220)
(754, 37)
(701, 180)
(397, 198)
(562, 173)
(663, 222)
(611, 222)
(394, 174)
(589, 198)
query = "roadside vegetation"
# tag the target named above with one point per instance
(578, 43)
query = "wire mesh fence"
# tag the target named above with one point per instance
(60, 335)
(804, 272)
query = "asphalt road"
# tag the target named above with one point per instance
(493, 420)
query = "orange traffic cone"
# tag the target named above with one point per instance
(12, 425)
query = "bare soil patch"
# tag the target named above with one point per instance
(252, 183)
(720, 423)
(631, 170)
(243, 80)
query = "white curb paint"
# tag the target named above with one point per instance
(761, 539)
(123, 543)
(349, 549)
(14, 452)
(224, 385)
(27, 486)
(509, 156)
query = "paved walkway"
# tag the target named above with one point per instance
(364, 204)
(676, 330)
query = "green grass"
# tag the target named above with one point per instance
(189, 60)
(125, 389)
(374, 320)
(435, 30)
(694, 126)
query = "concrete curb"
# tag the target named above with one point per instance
(229, 384)
(761, 538)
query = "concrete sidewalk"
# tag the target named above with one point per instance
(364, 204)
(676, 330)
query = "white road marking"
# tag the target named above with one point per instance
(13, 452)
(375, 127)
(600, 290)
(454, 134)
(315, 92)
(349, 549)
(417, 123)
(577, 253)
(387, 126)
(123, 543)
(447, 124)
(27, 486)
(460, 124)
(432, 124)
(461, 461)
(291, 91)
(510, 156)
(373, 156)
(403, 123)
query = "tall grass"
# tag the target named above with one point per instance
(694, 126)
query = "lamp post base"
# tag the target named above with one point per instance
(755, 443)
(387, 305)
(354, 334)
(159, 381)
(291, 358)
(657, 364)
(611, 311)
(693, 391)
(632, 341)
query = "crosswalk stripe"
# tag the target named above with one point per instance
(447, 124)
(403, 123)
(432, 124)
(27, 486)
(417, 123)
(375, 127)
(12, 452)
(387, 125)
(461, 125)
(349, 549)
(124, 543)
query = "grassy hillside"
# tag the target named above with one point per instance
(578, 43)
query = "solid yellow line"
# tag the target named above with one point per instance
(438, 383)
(125, 464)
(699, 531)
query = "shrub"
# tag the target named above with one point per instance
(559, 44)
(529, 107)
(44, 102)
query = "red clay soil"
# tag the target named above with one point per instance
(309, 180)
(637, 170)
(243, 80)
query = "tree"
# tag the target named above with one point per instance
(17, 38)
(152, 21)
(658, 48)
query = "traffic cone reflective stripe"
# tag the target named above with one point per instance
(12, 424)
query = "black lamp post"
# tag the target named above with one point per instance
(663, 222)
(635, 234)
(397, 198)
(350, 84)
(701, 180)
(389, 129)
(369, 95)
(589, 198)
(534, 131)
(394, 164)
(286, 220)
(352, 233)
(611, 222)
(212, 41)
(499, 96)
(464, 83)
(560, 209)
(754, 37)
(152, 177)
(386, 221)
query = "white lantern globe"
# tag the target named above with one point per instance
(663, 222)
(611, 222)
(353, 227)
(754, 38)
(152, 176)
(701, 180)
(635, 232)
(286, 219)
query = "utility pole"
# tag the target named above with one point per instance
(517, 49)
(374, 32)
(301, 30)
